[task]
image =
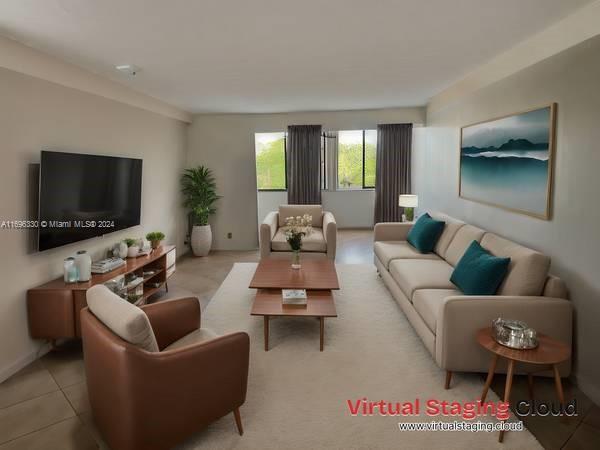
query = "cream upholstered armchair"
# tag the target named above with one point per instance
(321, 242)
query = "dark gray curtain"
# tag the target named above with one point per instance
(303, 149)
(394, 143)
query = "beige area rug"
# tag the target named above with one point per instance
(297, 395)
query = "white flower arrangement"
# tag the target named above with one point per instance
(296, 228)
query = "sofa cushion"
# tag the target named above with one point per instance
(461, 241)
(387, 251)
(316, 211)
(425, 233)
(195, 337)
(527, 271)
(314, 242)
(413, 274)
(479, 272)
(427, 302)
(127, 321)
(450, 229)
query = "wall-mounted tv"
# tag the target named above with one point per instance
(84, 196)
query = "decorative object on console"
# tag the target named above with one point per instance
(133, 248)
(425, 233)
(83, 262)
(108, 264)
(409, 202)
(199, 188)
(514, 334)
(116, 285)
(155, 238)
(296, 228)
(70, 270)
(120, 250)
(507, 162)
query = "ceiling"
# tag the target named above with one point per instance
(256, 56)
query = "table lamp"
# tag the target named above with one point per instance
(409, 202)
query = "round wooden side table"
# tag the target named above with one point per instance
(549, 352)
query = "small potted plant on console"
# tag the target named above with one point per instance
(133, 248)
(155, 238)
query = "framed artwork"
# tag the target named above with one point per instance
(507, 162)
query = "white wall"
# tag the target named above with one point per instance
(37, 114)
(570, 238)
(225, 143)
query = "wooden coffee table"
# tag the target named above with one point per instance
(318, 277)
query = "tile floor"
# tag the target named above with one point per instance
(45, 405)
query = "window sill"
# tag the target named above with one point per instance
(272, 190)
(354, 190)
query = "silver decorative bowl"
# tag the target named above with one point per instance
(514, 334)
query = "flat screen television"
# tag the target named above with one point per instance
(84, 196)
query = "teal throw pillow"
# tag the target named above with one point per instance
(425, 233)
(479, 272)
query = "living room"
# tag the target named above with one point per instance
(427, 215)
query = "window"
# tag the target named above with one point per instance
(270, 161)
(356, 157)
(325, 138)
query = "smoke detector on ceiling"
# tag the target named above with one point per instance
(128, 69)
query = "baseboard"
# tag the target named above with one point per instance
(23, 361)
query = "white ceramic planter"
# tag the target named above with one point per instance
(133, 251)
(201, 240)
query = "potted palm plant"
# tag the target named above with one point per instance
(199, 188)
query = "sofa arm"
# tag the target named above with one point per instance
(173, 319)
(460, 317)
(391, 231)
(268, 228)
(330, 233)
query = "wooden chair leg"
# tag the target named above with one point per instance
(238, 421)
(448, 379)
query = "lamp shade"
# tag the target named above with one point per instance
(408, 201)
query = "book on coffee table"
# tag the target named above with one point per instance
(294, 296)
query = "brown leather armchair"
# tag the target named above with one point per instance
(153, 400)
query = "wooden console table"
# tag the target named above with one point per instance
(53, 308)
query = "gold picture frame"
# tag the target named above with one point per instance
(491, 163)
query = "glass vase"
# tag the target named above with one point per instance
(296, 259)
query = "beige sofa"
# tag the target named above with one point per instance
(321, 242)
(445, 319)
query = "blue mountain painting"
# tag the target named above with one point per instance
(505, 162)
